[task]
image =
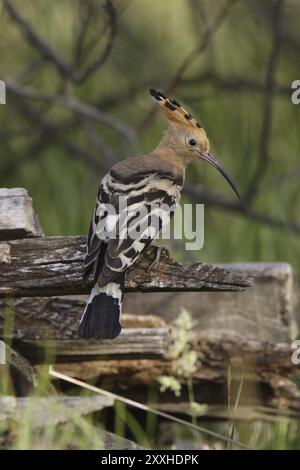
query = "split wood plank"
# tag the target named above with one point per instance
(54, 266)
(50, 410)
(134, 343)
(17, 216)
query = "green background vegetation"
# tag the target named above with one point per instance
(152, 40)
(238, 87)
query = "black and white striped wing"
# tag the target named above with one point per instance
(149, 207)
(96, 240)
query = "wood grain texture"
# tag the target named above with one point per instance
(267, 366)
(54, 266)
(17, 216)
(60, 414)
(45, 318)
(20, 370)
(51, 409)
(267, 311)
(132, 343)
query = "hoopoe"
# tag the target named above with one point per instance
(150, 182)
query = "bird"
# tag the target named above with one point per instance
(152, 184)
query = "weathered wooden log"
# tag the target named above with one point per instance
(51, 409)
(267, 366)
(44, 318)
(268, 311)
(111, 441)
(17, 217)
(53, 266)
(132, 343)
(19, 370)
(58, 413)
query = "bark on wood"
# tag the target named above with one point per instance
(132, 343)
(111, 441)
(269, 311)
(20, 370)
(44, 318)
(17, 216)
(267, 366)
(53, 266)
(59, 412)
(50, 410)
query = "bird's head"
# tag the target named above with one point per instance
(185, 136)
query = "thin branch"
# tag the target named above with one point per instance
(109, 158)
(202, 196)
(27, 71)
(112, 27)
(46, 52)
(234, 84)
(193, 55)
(190, 58)
(263, 154)
(78, 107)
(65, 70)
(84, 18)
(49, 134)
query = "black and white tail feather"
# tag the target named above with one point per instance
(137, 180)
(102, 314)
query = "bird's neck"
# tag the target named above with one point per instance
(168, 153)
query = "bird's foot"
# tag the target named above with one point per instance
(156, 260)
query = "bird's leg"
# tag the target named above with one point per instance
(159, 249)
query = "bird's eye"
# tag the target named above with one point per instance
(192, 142)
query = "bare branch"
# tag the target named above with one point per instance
(50, 133)
(202, 196)
(263, 155)
(234, 84)
(46, 52)
(109, 158)
(83, 109)
(65, 70)
(112, 27)
(190, 58)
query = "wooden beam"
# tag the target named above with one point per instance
(50, 410)
(53, 418)
(267, 367)
(55, 318)
(18, 371)
(134, 343)
(269, 311)
(53, 266)
(17, 216)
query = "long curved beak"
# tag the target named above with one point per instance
(214, 162)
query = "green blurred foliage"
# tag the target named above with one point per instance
(152, 40)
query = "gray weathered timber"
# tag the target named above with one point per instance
(267, 311)
(267, 366)
(51, 409)
(20, 370)
(134, 343)
(59, 415)
(17, 216)
(111, 441)
(53, 266)
(44, 318)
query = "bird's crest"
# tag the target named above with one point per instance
(173, 111)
